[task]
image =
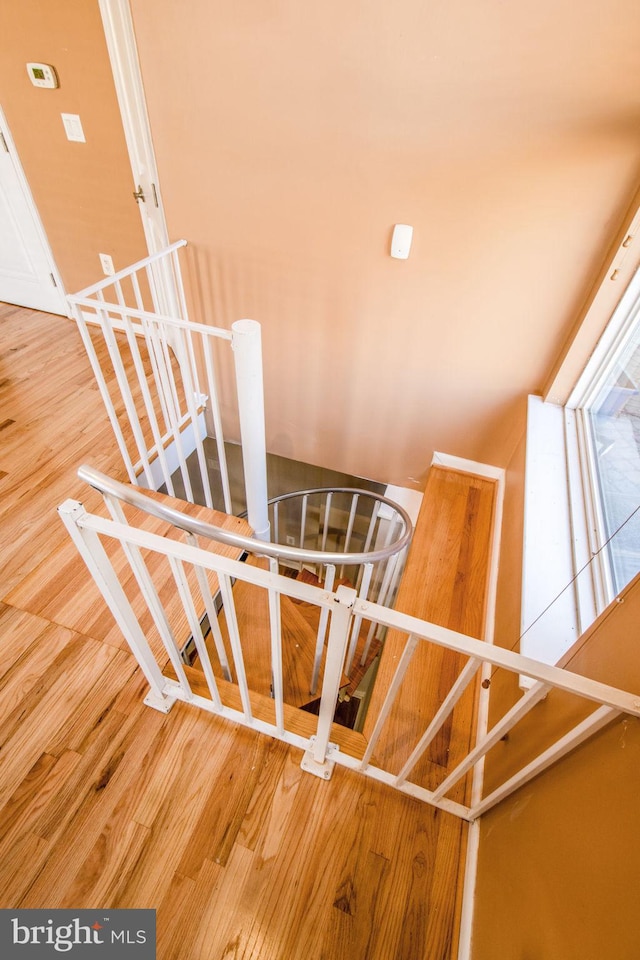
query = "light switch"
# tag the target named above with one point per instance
(106, 262)
(73, 127)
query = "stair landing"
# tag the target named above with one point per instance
(445, 582)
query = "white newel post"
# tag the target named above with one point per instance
(247, 352)
(91, 550)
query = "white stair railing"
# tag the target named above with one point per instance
(159, 374)
(345, 520)
(191, 566)
(386, 558)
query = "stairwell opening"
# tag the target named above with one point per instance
(283, 476)
(286, 476)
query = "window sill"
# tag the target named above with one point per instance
(552, 615)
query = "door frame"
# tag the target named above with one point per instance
(125, 64)
(58, 286)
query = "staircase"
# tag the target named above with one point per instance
(366, 652)
(301, 628)
(298, 640)
(232, 628)
(285, 608)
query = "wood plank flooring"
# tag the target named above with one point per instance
(107, 803)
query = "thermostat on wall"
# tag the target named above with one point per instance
(42, 75)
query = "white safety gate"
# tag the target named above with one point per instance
(158, 375)
(92, 533)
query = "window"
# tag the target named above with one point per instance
(606, 402)
(582, 492)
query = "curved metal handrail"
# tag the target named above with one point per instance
(135, 498)
(350, 490)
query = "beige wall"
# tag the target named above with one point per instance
(558, 873)
(291, 137)
(559, 864)
(619, 267)
(82, 190)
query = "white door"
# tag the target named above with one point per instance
(28, 275)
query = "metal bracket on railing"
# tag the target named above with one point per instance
(163, 704)
(310, 765)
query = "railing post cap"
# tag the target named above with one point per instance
(246, 328)
(71, 508)
(347, 596)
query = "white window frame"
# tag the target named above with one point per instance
(548, 624)
(567, 579)
(584, 490)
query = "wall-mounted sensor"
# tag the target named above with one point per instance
(401, 241)
(42, 75)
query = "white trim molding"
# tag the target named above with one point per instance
(467, 466)
(497, 474)
(549, 623)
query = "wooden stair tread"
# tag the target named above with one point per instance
(359, 670)
(311, 614)
(306, 576)
(298, 642)
(300, 622)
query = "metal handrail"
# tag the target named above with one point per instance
(351, 490)
(135, 498)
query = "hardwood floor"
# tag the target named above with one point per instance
(107, 803)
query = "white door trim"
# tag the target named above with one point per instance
(123, 54)
(58, 290)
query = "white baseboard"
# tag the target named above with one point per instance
(467, 466)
